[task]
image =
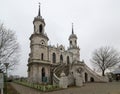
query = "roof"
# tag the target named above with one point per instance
(73, 36)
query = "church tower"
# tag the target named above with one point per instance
(39, 28)
(73, 45)
(38, 63)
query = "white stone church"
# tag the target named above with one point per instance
(50, 64)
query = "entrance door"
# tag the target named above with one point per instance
(91, 79)
(43, 74)
(86, 77)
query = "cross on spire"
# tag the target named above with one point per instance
(72, 29)
(39, 14)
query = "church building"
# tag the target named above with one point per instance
(46, 62)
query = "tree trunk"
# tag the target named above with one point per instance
(103, 72)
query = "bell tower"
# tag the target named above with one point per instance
(73, 45)
(39, 29)
(38, 63)
(73, 39)
(39, 23)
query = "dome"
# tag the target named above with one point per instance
(73, 36)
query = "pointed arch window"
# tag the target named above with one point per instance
(42, 56)
(40, 28)
(68, 60)
(54, 58)
(61, 58)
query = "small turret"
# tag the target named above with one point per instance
(73, 39)
(73, 46)
(39, 23)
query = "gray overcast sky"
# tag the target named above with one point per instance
(96, 23)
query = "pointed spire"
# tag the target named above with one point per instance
(39, 14)
(72, 29)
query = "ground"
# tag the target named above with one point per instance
(89, 88)
(10, 89)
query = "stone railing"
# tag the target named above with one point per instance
(98, 77)
(56, 79)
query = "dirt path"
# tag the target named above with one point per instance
(25, 90)
(89, 88)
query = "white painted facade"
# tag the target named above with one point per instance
(44, 59)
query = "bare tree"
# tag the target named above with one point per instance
(9, 48)
(105, 58)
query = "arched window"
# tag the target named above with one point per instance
(70, 42)
(43, 74)
(68, 60)
(42, 56)
(40, 28)
(75, 42)
(61, 58)
(54, 58)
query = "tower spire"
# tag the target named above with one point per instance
(72, 29)
(39, 14)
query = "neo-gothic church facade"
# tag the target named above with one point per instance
(47, 62)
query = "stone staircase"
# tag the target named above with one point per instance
(58, 70)
(96, 77)
(62, 67)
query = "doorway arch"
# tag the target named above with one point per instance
(43, 74)
(86, 77)
(91, 79)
